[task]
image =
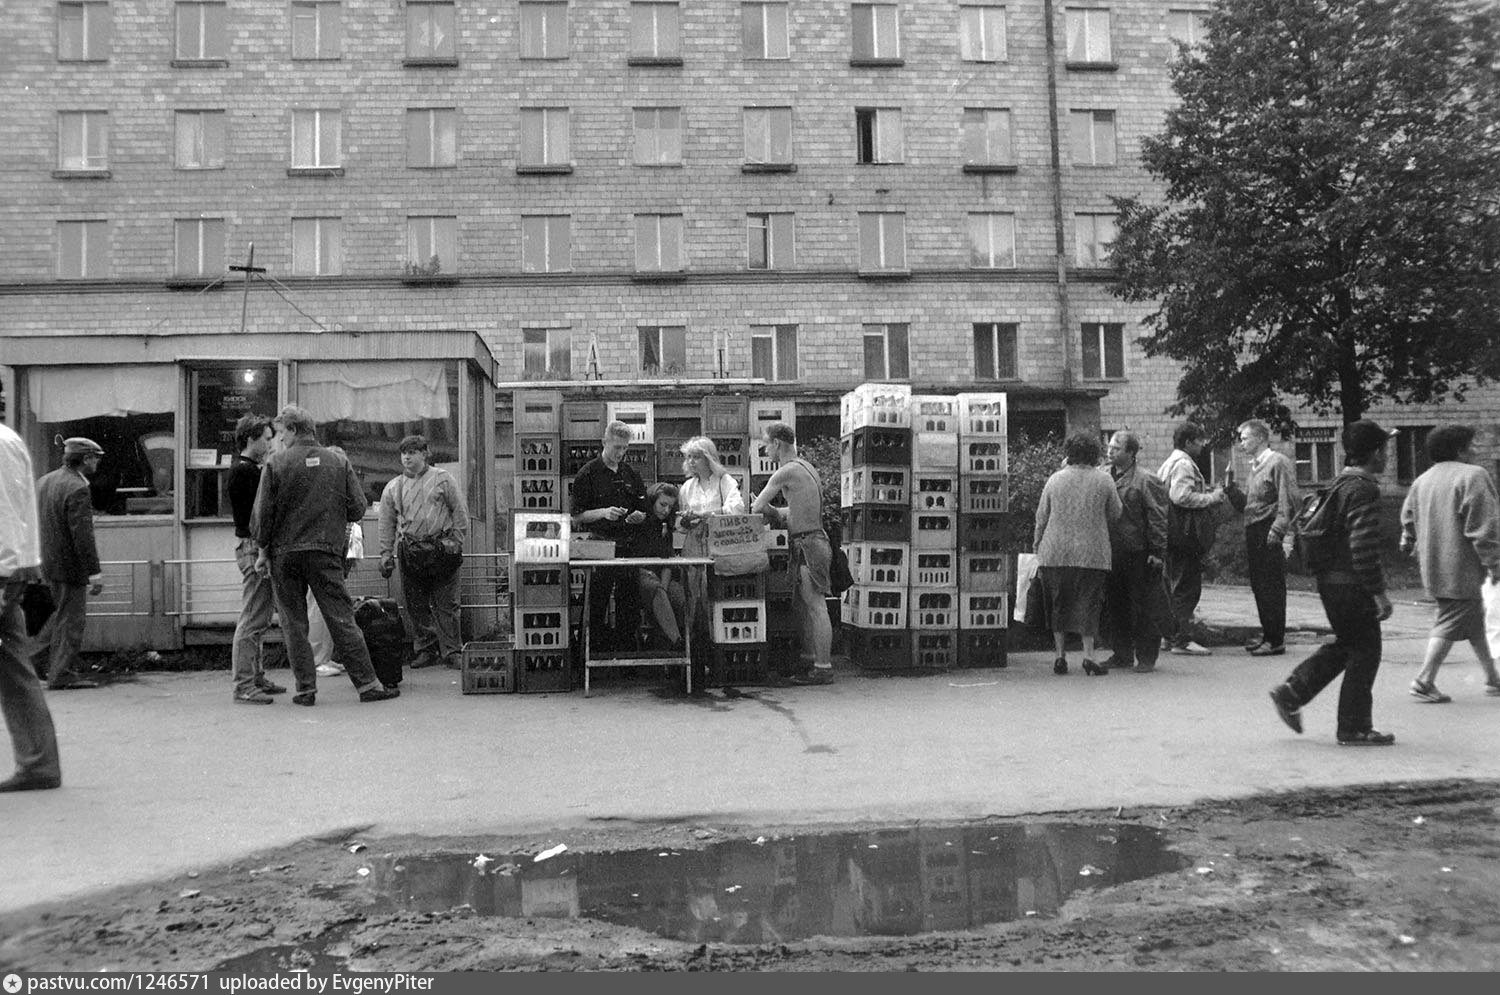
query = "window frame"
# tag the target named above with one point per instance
(203, 251)
(869, 45)
(93, 255)
(776, 233)
(886, 331)
(442, 233)
(1099, 127)
(660, 333)
(210, 143)
(209, 50)
(781, 339)
(1103, 346)
(1197, 29)
(966, 38)
(552, 228)
(882, 240)
(1088, 57)
(1098, 250)
(545, 32)
(1000, 337)
(989, 218)
(327, 230)
(1312, 456)
(438, 53)
(650, 138)
(876, 129)
(653, 224)
(95, 23)
(557, 344)
(327, 129)
(548, 132)
(759, 131)
(766, 30)
(666, 40)
(1411, 452)
(324, 24)
(433, 136)
(92, 134)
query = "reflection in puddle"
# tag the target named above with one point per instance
(884, 883)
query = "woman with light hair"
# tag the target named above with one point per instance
(708, 490)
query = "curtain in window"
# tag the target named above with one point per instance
(69, 393)
(373, 392)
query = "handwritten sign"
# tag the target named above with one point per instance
(728, 534)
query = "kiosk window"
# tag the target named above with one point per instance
(219, 395)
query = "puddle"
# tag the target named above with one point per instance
(881, 883)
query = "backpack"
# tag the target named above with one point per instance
(1315, 530)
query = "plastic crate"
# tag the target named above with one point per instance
(878, 446)
(739, 665)
(779, 574)
(874, 607)
(983, 456)
(761, 465)
(934, 413)
(538, 493)
(876, 523)
(934, 530)
(669, 459)
(640, 416)
(541, 627)
(983, 648)
(934, 492)
(488, 668)
(776, 539)
(577, 452)
(985, 573)
(583, 420)
(725, 416)
(935, 650)
(984, 611)
(734, 451)
(984, 533)
(540, 585)
(537, 411)
(737, 621)
(879, 649)
(934, 568)
(538, 455)
(749, 587)
(540, 537)
(984, 495)
(879, 564)
(982, 413)
(875, 485)
(641, 459)
(781, 616)
(935, 451)
(885, 405)
(934, 608)
(541, 671)
(767, 410)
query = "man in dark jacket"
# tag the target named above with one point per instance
(1352, 587)
(70, 561)
(609, 500)
(308, 495)
(1134, 592)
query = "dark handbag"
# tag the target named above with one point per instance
(1191, 530)
(434, 558)
(1036, 606)
(36, 607)
(838, 572)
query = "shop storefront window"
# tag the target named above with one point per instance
(219, 395)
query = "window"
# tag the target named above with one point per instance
(1411, 452)
(988, 140)
(1103, 351)
(83, 31)
(994, 351)
(544, 137)
(882, 241)
(768, 136)
(1091, 136)
(877, 32)
(1187, 27)
(769, 241)
(546, 243)
(546, 352)
(431, 31)
(658, 136)
(885, 352)
(658, 243)
(877, 134)
(201, 31)
(219, 394)
(654, 32)
(317, 29)
(992, 241)
(544, 30)
(315, 139)
(200, 247)
(82, 250)
(1093, 234)
(981, 34)
(773, 352)
(764, 29)
(200, 139)
(317, 246)
(663, 349)
(431, 245)
(1088, 35)
(82, 140)
(431, 137)
(1313, 455)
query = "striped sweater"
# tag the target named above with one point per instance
(1356, 557)
(421, 507)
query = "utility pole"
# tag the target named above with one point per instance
(249, 269)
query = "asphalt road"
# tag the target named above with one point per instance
(164, 774)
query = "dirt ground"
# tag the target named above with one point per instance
(1383, 877)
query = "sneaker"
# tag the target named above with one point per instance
(1368, 737)
(1427, 692)
(815, 678)
(308, 698)
(1287, 707)
(1190, 648)
(330, 669)
(379, 694)
(1266, 649)
(267, 686)
(1143, 668)
(255, 698)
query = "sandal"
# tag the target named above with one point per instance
(1093, 669)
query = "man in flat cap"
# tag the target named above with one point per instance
(70, 561)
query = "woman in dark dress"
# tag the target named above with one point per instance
(661, 588)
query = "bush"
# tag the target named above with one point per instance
(1030, 464)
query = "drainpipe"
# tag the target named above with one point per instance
(1060, 247)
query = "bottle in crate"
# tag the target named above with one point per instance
(538, 493)
(488, 668)
(876, 523)
(935, 568)
(877, 446)
(879, 564)
(733, 451)
(884, 485)
(541, 627)
(540, 537)
(540, 584)
(738, 621)
(934, 608)
(985, 495)
(982, 413)
(746, 587)
(875, 404)
(934, 492)
(935, 530)
(982, 648)
(540, 671)
(983, 456)
(933, 650)
(740, 664)
(538, 455)
(987, 534)
(983, 611)
(987, 573)
(875, 607)
(879, 649)
(577, 452)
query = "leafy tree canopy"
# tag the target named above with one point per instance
(1330, 227)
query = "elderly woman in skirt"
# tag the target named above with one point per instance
(1079, 502)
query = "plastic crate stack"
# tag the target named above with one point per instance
(875, 498)
(934, 576)
(640, 455)
(541, 593)
(726, 420)
(782, 639)
(983, 530)
(537, 446)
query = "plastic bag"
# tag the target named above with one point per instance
(1491, 594)
(1026, 576)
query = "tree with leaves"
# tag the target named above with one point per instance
(1329, 226)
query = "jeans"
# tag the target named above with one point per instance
(1354, 652)
(1267, 567)
(1129, 592)
(432, 608)
(256, 603)
(293, 575)
(621, 582)
(32, 738)
(1185, 581)
(61, 639)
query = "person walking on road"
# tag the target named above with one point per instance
(33, 740)
(1351, 584)
(1133, 591)
(307, 497)
(1451, 522)
(1271, 502)
(1188, 492)
(254, 437)
(1079, 505)
(425, 503)
(70, 561)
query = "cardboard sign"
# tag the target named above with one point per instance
(729, 534)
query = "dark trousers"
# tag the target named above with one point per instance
(32, 738)
(1128, 591)
(1354, 652)
(61, 640)
(292, 576)
(1185, 581)
(1267, 566)
(620, 582)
